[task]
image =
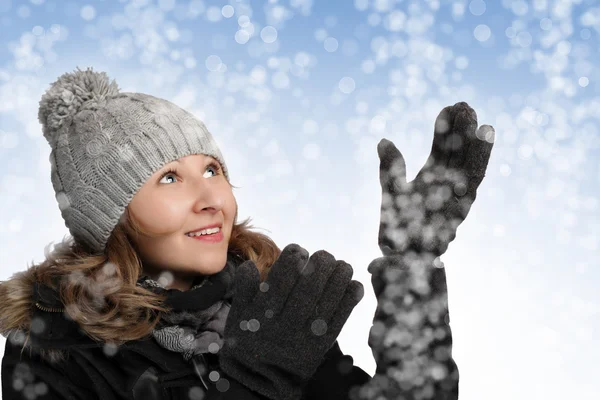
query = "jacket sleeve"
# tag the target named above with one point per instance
(337, 378)
(26, 376)
(410, 338)
(230, 389)
(334, 379)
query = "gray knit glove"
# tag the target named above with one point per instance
(278, 331)
(423, 215)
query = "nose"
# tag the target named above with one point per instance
(208, 197)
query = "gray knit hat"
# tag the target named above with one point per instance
(106, 144)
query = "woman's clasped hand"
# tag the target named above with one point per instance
(278, 331)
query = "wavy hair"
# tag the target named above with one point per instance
(99, 291)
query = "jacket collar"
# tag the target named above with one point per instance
(52, 328)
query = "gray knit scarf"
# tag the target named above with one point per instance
(197, 318)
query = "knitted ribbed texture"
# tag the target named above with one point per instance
(105, 147)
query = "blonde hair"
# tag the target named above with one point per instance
(99, 291)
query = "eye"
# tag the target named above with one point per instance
(212, 165)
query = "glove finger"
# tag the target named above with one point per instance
(354, 294)
(334, 291)
(392, 168)
(478, 158)
(473, 172)
(246, 284)
(462, 135)
(303, 299)
(283, 276)
(439, 154)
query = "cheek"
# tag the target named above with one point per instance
(161, 217)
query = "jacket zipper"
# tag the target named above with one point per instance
(198, 372)
(48, 309)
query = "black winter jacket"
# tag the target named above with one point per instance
(140, 369)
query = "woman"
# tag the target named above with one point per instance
(161, 294)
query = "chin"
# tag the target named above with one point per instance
(213, 267)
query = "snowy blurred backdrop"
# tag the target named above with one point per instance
(299, 92)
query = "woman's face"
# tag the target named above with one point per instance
(171, 204)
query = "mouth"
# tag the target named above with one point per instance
(214, 228)
(215, 237)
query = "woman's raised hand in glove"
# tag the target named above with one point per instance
(278, 331)
(423, 215)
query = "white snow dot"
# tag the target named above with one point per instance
(109, 269)
(269, 313)
(227, 11)
(244, 21)
(264, 287)
(244, 325)
(165, 278)
(377, 125)
(525, 151)
(546, 24)
(258, 75)
(311, 151)
(482, 32)
(367, 66)
(189, 62)
(347, 85)
(213, 14)
(524, 39)
(584, 81)
(88, 12)
(477, 7)
(510, 32)
(213, 63)
(331, 21)
(242, 36)
(280, 80)
(563, 48)
(585, 34)
(330, 44)
(214, 376)
(223, 385)
(395, 21)
(41, 388)
(319, 327)
(253, 325)
(321, 34)
(505, 170)
(268, 34)
(37, 30)
(37, 325)
(196, 393)
(461, 62)
(310, 127)
(213, 348)
(110, 349)
(519, 7)
(63, 200)
(362, 107)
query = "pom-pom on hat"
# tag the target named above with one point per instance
(106, 144)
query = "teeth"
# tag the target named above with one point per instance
(205, 232)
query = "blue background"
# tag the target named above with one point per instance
(298, 120)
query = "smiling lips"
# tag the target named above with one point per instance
(210, 238)
(217, 225)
